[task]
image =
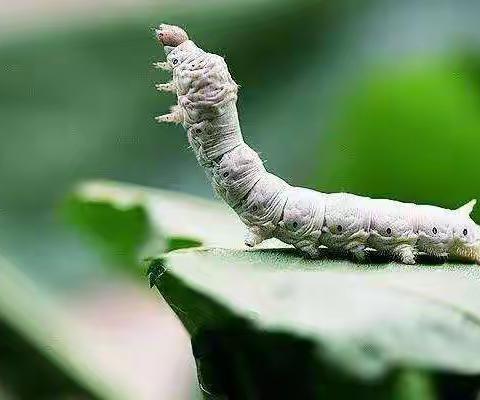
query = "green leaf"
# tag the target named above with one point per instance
(255, 317)
(131, 221)
(352, 322)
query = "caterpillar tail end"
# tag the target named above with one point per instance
(477, 255)
(467, 254)
(170, 35)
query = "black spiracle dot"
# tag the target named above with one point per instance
(435, 231)
(295, 225)
(465, 232)
(254, 208)
(174, 61)
(198, 130)
(225, 174)
(339, 228)
(389, 231)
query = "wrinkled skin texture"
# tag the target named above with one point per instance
(236, 173)
(210, 139)
(347, 220)
(393, 229)
(262, 207)
(435, 232)
(302, 220)
(270, 207)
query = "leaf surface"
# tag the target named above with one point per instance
(131, 219)
(366, 319)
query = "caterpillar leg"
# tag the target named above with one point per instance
(311, 250)
(405, 254)
(358, 253)
(162, 65)
(175, 116)
(356, 249)
(166, 87)
(308, 247)
(253, 238)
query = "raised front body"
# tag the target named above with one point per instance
(270, 207)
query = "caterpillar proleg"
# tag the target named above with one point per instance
(269, 206)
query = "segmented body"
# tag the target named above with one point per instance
(269, 206)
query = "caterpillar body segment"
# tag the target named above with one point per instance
(302, 220)
(211, 139)
(347, 222)
(236, 173)
(262, 208)
(269, 206)
(435, 230)
(393, 229)
(204, 87)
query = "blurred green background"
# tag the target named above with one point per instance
(380, 98)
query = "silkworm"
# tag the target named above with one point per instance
(269, 206)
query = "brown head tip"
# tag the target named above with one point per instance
(170, 35)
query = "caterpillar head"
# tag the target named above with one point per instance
(175, 43)
(170, 35)
(435, 231)
(466, 234)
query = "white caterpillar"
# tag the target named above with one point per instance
(269, 206)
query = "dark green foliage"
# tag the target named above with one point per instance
(121, 233)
